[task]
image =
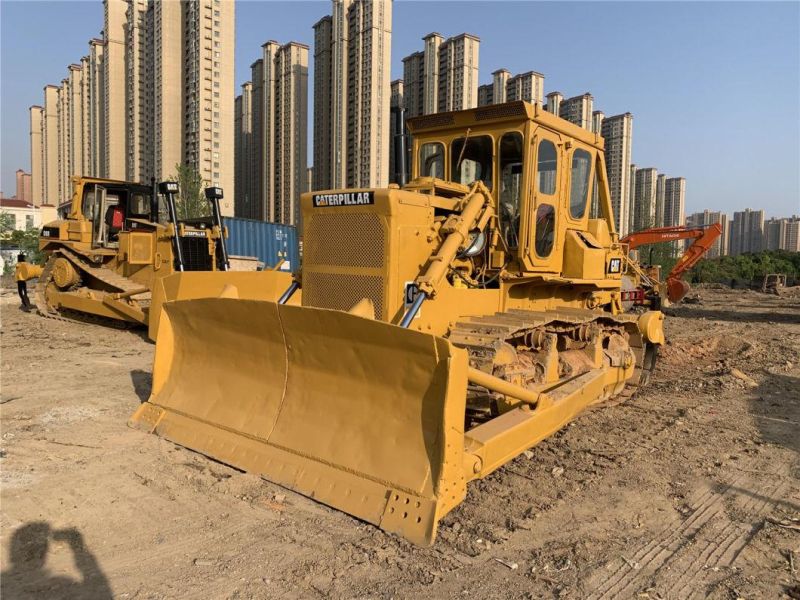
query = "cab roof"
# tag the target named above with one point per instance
(496, 114)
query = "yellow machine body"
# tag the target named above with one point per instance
(124, 271)
(443, 328)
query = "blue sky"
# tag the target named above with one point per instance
(714, 87)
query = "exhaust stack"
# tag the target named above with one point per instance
(169, 189)
(214, 195)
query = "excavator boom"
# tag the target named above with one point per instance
(704, 237)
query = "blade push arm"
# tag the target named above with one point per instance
(475, 213)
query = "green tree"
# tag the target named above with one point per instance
(747, 267)
(25, 241)
(28, 243)
(191, 202)
(7, 223)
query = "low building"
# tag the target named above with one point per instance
(23, 213)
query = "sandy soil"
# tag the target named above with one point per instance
(691, 489)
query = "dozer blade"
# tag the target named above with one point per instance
(358, 414)
(191, 285)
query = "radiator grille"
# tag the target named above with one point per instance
(342, 292)
(195, 254)
(345, 240)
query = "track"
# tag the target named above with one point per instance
(488, 338)
(106, 276)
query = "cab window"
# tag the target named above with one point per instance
(579, 183)
(471, 160)
(545, 229)
(431, 160)
(88, 202)
(510, 186)
(139, 206)
(546, 168)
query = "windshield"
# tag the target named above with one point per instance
(471, 160)
(431, 160)
(510, 186)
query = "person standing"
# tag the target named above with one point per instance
(21, 275)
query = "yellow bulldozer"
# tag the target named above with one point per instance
(121, 251)
(442, 328)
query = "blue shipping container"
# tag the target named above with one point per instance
(269, 242)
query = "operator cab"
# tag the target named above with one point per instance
(528, 159)
(116, 207)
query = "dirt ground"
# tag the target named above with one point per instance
(691, 489)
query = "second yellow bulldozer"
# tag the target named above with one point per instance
(120, 251)
(443, 327)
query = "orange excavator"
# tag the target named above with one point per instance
(648, 290)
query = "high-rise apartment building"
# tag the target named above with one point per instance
(155, 92)
(443, 76)
(554, 100)
(645, 198)
(782, 234)
(396, 103)
(661, 191)
(414, 82)
(632, 198)
(75, 117)
(36, 114)
(618, 134)
(431, 66)
(139, 91)
(96, 109)
(458, 73)
(64, 143)
(208, 69)
(50, 171)
(674, 201)
(597, 121)
(23, 182)
(747, 232)
(705, 218)
(578, 110)
(527, 86)
(271, 132)
(166, 32)
(352, 87)
(114, 109)
(323, 117)
(85, 115)
(793, 235)
(242, 150)
(485, 94)
(495, 92)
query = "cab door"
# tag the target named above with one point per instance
(103, 202)
(543, 223)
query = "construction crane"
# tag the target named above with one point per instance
(704, 237)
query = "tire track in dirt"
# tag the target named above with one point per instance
(708, 539)
(722, 548)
